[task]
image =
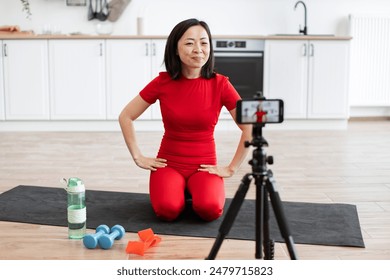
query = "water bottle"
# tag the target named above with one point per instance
(77, 210)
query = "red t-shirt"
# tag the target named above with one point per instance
(260, 115)
(190, 110)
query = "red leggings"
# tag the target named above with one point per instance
(167, 193)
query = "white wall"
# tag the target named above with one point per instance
(225, 17)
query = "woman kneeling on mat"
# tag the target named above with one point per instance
(191, 97)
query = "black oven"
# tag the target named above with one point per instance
(243, 62)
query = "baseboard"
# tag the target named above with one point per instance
(156, 125)
(369, 119)
(369, 111)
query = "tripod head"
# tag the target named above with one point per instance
(259, 156)
(257, 137)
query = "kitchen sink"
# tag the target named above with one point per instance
(301, 35)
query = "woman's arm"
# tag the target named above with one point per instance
(126, 118)
(239, 156)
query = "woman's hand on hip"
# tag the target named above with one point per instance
(221, 171)
(150, 163)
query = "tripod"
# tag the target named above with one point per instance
(264, 182)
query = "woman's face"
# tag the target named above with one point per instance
(194, 48)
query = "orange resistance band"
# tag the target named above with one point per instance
(148, 239)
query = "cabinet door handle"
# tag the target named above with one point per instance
(154, 49)
(5, 50)
(311, 50)
(146, 49)
(101, 49)
(304, 52)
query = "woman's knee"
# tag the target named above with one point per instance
(208, 195)
(208, 210)
(167, 193)
(167, 210)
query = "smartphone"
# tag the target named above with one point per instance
(252, 111)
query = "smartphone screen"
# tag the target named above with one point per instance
(260, 111)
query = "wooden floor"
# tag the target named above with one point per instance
(348, 166)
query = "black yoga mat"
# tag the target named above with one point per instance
(310, 223)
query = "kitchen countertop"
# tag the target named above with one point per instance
(258, 37)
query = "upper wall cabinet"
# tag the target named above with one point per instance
(26, 85)
(77, 76)
(310, 76)
(131, 64)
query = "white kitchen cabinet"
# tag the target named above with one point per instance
(2, 106)
(157, 59)
(285, 76)
(26, 85)
(328, 79)
(311, 76)
(77, 76)
(131, 65)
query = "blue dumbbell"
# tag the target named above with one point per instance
(91, 240)
(107, 240)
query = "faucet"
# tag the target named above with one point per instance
(304, 30)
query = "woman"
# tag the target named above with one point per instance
(191, 96)
(261, 115)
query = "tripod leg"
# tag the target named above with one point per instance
(263, 241)
(267, 242)
(230, 215)
(259, 216)
(279, 214)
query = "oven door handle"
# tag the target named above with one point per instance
(236, 54)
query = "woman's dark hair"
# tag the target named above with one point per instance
(171, 58)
